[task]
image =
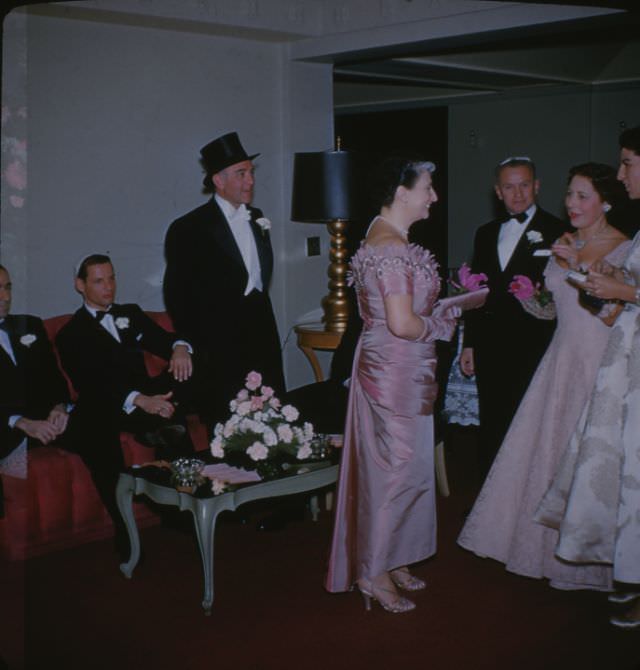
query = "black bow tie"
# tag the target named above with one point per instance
(100, 314)
(520, 218)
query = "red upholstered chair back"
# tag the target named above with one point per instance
(155, 365)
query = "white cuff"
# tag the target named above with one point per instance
(186, 344)
(14, 419)
(128, 406)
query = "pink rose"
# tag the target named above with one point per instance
(522, 287)
(254, 380)
(267, 392)
(256, 403)
(242, 395)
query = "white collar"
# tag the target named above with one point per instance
(93, 310)
(227, 208)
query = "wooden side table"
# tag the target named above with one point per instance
(313, 336)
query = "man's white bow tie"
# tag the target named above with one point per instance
(241, 214)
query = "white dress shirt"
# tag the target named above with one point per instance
(5, 343)
(238, 220)
(510, 233)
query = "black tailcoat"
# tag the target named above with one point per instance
(508, 342)
(204, 286)
(34, 384)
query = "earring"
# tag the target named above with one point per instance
(606, 207)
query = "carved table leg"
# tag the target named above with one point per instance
(204, 518)
(124, 498)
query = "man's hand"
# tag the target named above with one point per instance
(155, 404)
(58, 418)
(181, 365)
(466, 362)
(43, 431)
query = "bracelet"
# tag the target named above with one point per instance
(426, 328)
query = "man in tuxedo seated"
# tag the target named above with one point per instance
(101, 349)
(33, 392)
(503, 343)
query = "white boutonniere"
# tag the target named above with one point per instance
(534, 236)
(28, 339)
(264, 224)
(122, 322)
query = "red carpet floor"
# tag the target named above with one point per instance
(74, 609)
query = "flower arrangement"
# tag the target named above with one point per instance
(534, 298)
(468, 281)
(261, 429)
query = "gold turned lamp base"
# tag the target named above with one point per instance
(335, 304)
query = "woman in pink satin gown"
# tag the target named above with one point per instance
(385, 513)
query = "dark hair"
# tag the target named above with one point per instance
(88, 261)
(630, 139)
(397, 171)
(2, 267)
(207, 181)
(603, 178)
(515, 162)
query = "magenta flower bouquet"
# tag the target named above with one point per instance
(468, 281)
(534, 298)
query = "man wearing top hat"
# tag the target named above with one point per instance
(219, 265)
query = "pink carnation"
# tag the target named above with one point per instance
(254, 380)
(257, 451)
(522, 287)
(256, 403)
(267, 392)
(471, 281)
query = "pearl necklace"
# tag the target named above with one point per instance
(581, 244)
(400, 231)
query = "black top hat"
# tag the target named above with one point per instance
(223, 152)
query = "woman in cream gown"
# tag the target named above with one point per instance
(501, 524)
(594, 501)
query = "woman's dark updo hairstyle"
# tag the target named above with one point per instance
(397, 171)
(603, 178)
(630, 139)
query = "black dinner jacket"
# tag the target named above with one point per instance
(501, 308)
(205, 275)
(102, 370)
(34, 385)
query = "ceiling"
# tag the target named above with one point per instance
(598, 52)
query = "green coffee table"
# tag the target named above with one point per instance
(299, 479)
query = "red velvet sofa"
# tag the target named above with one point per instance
(57, 506)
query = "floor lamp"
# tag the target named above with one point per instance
(324, 192)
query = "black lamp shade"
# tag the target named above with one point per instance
(323, 186)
